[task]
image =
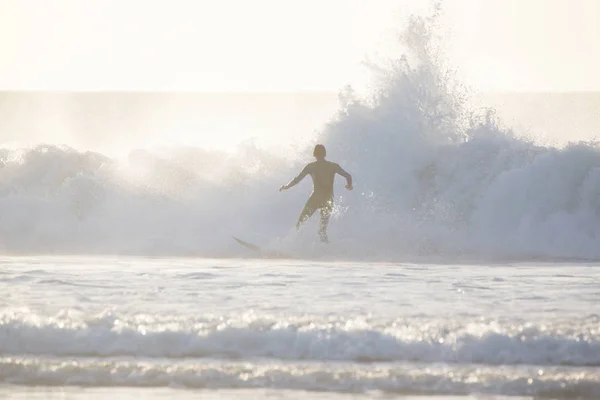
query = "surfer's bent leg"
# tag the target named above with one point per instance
(326, 211)
(307, 212)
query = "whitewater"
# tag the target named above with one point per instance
(181, 328)
(465, 262)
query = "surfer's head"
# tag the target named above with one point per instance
(319, 151)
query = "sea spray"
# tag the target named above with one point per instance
(433, 178)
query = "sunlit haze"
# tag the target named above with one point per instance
(531, 45)
(169, 228)
(263, 46)
(269, 45)
(224, 45)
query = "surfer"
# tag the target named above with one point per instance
(323, 174)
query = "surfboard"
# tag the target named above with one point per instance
(263, 253)
(247, 245)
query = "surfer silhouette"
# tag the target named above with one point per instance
(322, 173)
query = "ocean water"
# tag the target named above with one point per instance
(74, 327)
(463, 264)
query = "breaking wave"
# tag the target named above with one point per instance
(433, 178)
(244, 337)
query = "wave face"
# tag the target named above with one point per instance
(432, 179)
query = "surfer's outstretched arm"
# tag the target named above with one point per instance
(296, 180)
(346, 175)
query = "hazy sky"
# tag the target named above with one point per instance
(523, 45)
(283, 45)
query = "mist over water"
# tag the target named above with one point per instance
(434, 177)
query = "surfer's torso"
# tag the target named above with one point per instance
(322, 173)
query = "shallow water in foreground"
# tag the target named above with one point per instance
(94, 327)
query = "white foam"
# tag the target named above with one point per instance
(246, 336)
